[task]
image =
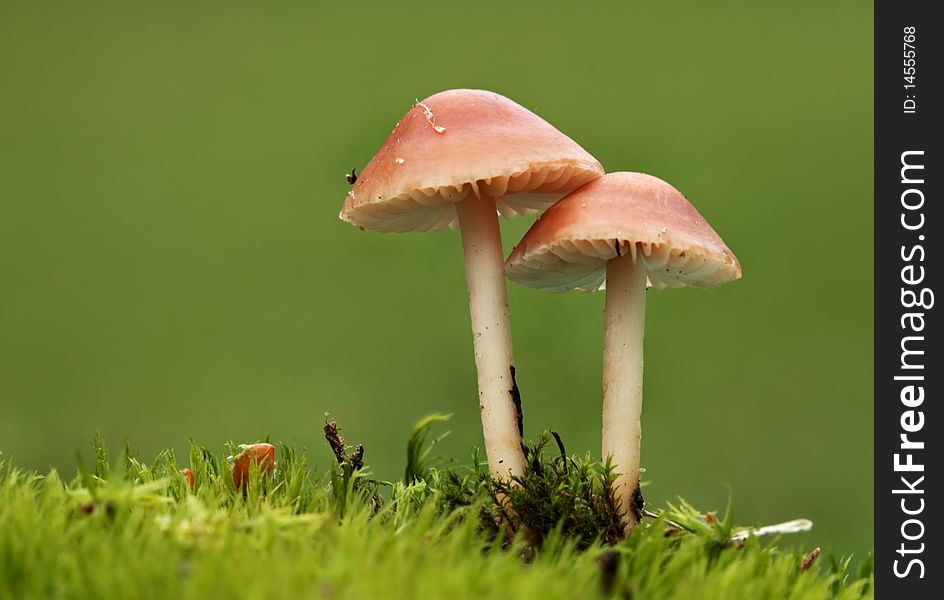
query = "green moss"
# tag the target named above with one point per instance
(132, 529)
(558, 495)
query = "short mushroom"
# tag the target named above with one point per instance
(261, 454)
(611, 234)
(461, 157)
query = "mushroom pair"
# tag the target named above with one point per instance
(463, 156)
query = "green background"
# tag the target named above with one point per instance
(172, 264)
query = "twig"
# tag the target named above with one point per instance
(357, 457)
(795, 526)
(809, 559)
(335, 440)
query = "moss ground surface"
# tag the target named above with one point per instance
(125, 529)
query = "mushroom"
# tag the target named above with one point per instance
(611, 234)
(460, 157)
(261, 454)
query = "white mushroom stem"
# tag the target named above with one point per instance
(491, 334)
(625, 317)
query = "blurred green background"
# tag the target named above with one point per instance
(172, 264)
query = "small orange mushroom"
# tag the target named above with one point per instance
(188, 474)
(260, 454)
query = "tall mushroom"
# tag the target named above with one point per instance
(463, 156)
(611, 234)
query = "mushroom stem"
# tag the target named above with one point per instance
(624, 322)
(491, 334)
